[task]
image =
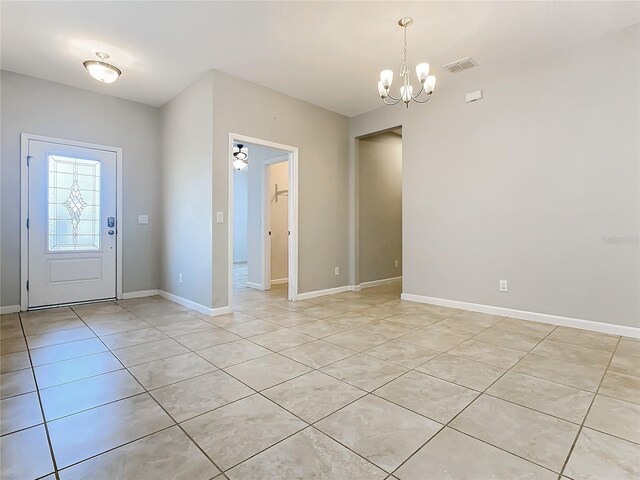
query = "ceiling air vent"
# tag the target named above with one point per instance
(462, 64)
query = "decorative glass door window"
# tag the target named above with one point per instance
(74, 204)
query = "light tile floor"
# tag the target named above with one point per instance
(358, 385)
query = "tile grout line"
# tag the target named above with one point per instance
(44, 420)
(469, 404)
(575, 441)
(159, 405)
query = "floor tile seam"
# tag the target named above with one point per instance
(575, 440)
(637, 403)
(168, 415)
(283, 349)
(53, 331)
(588, 427)
(17, 394)
(208, 346)
(319, 369)
(84, 410)
(114, 448)
(45, 426)
(61, 343)
(21, 429)
(266, 448)
(182, 380)
(448, 424)
(503, 449)
(573, 422)
(82, 378)
(72, 358)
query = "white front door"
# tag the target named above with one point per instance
(71, 223)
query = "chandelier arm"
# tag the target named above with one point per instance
(392, 97)
(418, 94)
(397, 100)
(423, 101)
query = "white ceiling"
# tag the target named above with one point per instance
(327, 53)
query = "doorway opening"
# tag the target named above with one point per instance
(263, 220)
(379, 211)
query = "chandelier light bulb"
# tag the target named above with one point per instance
(405, 93)
(381, 90)
(386, 77)
(422, 71)
(430, 84)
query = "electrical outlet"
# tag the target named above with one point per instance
(396, 264)
(180, 278)
(504, 286)
(337, 271)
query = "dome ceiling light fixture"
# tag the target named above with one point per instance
(102, 71)
(240, 157)
(427, 82)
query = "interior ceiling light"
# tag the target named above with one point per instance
(240, 157)
(102, 71)
(427, 82)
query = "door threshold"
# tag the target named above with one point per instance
(71, 304)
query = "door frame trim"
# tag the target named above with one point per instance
(24, 208)
(292, 153)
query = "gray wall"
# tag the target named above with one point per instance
(40, 107)
(380, 207)
(187, 126)
(322, 138)
(524, 184)
(240, 214)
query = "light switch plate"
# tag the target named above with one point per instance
(219, 217)
(143, 219)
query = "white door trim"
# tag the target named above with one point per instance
(292, 158)
(24, 208)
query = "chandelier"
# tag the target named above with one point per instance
(427, 82)
(240, 157)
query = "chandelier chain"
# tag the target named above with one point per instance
(404, 69)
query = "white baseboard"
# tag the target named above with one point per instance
(9, 309)
(139, 294)
(377, 283)
(255, 286)
(533, 316)
(190, 304)
(220, 311)
(328, 291)
(279, 281)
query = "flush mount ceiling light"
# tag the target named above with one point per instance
(427, 82)
(102, 71)
(240, 157)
